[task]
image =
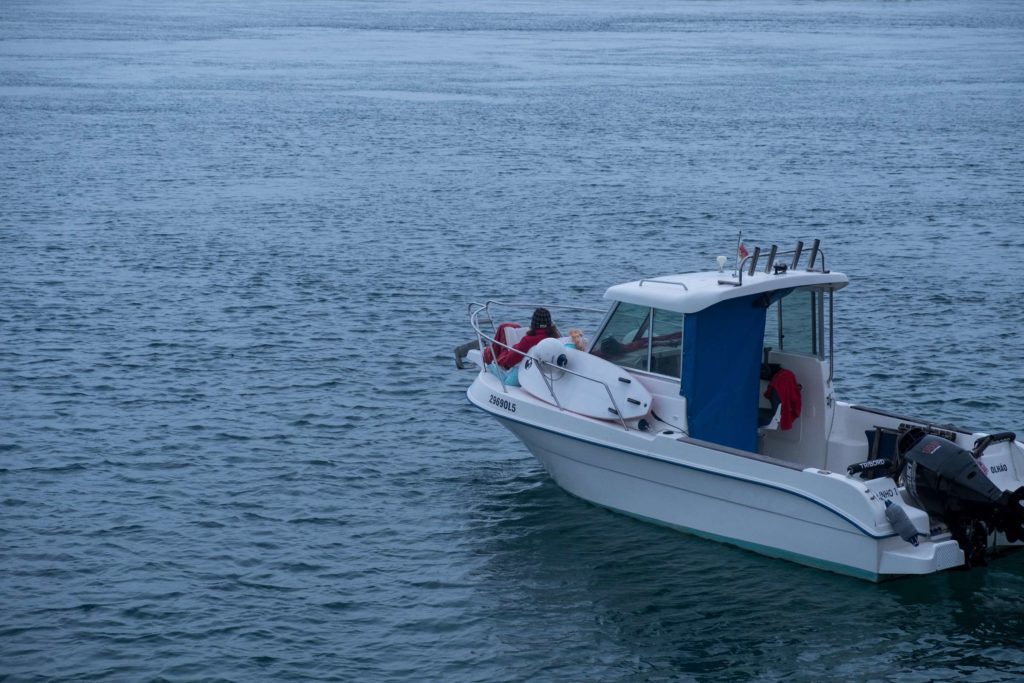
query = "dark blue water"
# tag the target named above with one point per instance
(237, 241)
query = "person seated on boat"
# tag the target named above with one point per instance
(577, 340)
(506, 368)
(541, 327)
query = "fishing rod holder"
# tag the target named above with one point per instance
(749, 262)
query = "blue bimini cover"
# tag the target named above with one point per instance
(722, 371)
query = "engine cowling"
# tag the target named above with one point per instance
(948, 483)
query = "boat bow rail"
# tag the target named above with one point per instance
(480, 314)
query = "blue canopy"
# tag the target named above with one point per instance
(722, 370)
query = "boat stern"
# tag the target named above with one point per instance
(925, 558)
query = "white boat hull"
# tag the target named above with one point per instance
(776, 511)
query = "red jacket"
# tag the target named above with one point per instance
(508, 357)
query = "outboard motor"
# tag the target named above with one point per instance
(947, 482)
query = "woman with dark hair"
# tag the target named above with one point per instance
(541, 328)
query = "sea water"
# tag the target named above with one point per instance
(237, 243)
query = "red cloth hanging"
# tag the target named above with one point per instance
(784, 384)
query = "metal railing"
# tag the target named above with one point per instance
(664, 282)
(548, 369)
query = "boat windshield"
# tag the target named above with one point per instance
(642, 338)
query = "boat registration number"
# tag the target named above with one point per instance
(503, 403)
(888, 494)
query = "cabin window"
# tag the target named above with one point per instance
(642, 338)
(623, 340)
(795, 323)
(666, 344)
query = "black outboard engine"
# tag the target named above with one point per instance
(947, 482)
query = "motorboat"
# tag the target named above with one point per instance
(704, 402)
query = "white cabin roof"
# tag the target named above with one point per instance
(692, 292)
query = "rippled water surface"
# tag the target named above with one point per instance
(237, 241)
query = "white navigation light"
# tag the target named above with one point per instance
(721, 263)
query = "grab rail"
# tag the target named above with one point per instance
(476, 308)
(664, 282)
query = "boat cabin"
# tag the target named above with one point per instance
(709, 345)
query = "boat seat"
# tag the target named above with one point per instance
(768, 418)
(509, 334)
(514, 335)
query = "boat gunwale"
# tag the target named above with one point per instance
(916, 421)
